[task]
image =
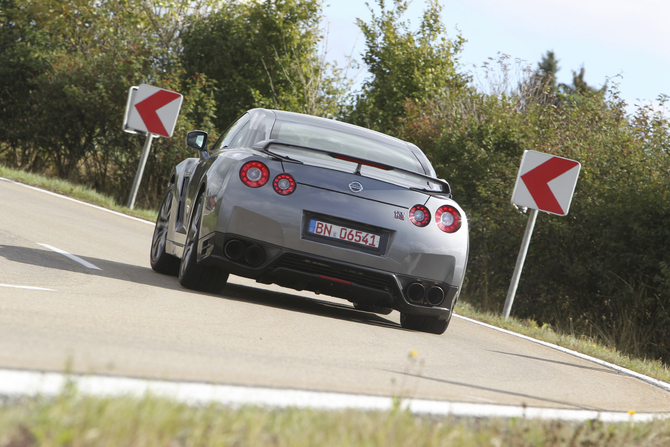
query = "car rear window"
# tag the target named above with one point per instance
(345, 143)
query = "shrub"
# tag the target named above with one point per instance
(601, 270)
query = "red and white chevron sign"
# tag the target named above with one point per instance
(153, 110)
(546, 182)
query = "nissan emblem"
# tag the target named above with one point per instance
(355, 187)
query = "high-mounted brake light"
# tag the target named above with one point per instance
(284, 184)
(448, 219)
(363, 162)
(254, 174)
(419, 215)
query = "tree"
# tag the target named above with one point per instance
(67, 65)
(547, 69)
(563, 93)
(66, 68)
(404, 64)
(580, 87)
(20, 62)
(263, 53)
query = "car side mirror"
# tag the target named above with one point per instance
(197, 139)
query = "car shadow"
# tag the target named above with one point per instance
(43, 258)
(298, 303)
(557, 362)
(500, 391)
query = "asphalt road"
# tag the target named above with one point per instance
(124, 319)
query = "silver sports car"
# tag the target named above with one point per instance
(316, 204)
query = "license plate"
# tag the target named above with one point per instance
(344, 233)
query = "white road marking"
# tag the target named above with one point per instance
(77, 201)
(26, 287)
(658, 383)
(73, 257)
(33, 383)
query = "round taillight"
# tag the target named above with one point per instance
(448, 219)
(419, 215)
(284, 184)
(254, 174)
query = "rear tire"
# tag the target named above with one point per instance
(210, 279)
(161, 261)
(424, 323)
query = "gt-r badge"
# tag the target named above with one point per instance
(355, 187)
(399, 215)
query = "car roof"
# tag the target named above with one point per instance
(336, 125)
(353, 129)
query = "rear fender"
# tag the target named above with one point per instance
(214, 184)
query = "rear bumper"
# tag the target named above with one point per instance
(271, 264)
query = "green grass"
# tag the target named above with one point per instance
(73, 420)
(79, 192)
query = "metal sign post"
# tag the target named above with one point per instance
(140, 169)
(511, 293)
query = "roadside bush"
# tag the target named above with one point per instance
(603, 269)
(66, 67)
(274, 63)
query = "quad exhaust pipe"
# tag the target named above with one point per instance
(435, 296)
(254, 255)
(236, 250)
(416, 293)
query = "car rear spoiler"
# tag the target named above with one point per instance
(264, 145)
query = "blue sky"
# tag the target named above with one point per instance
(627, 41)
